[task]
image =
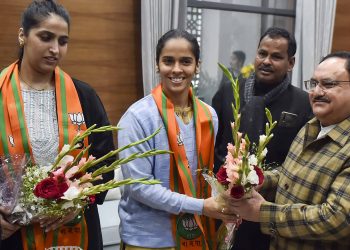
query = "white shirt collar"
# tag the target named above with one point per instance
(324, 131)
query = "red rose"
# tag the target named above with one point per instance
(62, 184)
(237, 191)
(221, 176)
(50, 188)
(60, 178)
(62, 187)
(260, 174)
(92, 199)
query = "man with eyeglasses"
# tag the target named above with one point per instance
(269, 86)
(312, 201)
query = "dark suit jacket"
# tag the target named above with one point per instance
(101, 143)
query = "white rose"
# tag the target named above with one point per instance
(253, 178)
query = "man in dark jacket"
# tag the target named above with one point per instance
(237, 60)
(268, 87)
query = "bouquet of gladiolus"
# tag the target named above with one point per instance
(244, 165)
(67, 184)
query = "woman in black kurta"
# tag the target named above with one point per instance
(43, 39)
(101, 143)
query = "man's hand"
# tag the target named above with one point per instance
(248, 209)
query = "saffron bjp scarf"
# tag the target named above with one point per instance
(15, 140)
(190, 231)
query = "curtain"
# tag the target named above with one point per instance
(157, 17)
(313, 33)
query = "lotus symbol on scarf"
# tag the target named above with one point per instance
(77, 119)
(189, 223)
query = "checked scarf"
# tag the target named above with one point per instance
(253, 107)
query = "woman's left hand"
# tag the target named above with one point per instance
(50, 223)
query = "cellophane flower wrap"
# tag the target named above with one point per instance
(68, 184)
(11, 171)
(244, 165)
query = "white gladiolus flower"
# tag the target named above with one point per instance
(65, 149)
(244, 179)
(253, 178)
(71, 193)
(65, 160)
(253, 161)
(262, 139)
(264, 152)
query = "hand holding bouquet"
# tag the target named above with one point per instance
(67, 185)
(244, 164)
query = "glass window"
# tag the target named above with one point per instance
(220, 32)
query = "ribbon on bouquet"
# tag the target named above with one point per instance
(190, 231)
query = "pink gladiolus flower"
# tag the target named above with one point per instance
(58, 172)
(91, 158)
(230, 148)
(82, 162)
(243, 144)
(229, 157)
(66, 161)
(72, 171)
(232, 172)
(239, 135)
(85, 185)
(232, 176)
(99, 177)
(75, 184)
(86, 177)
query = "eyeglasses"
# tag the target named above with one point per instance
(324, 85)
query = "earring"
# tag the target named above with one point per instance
(157, 69)
(21, 42)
